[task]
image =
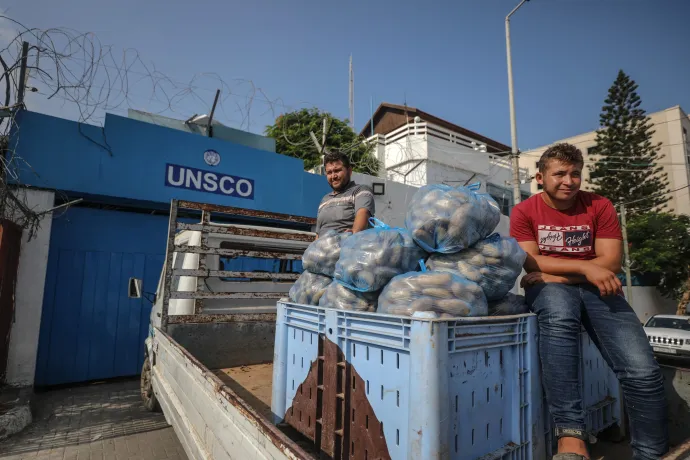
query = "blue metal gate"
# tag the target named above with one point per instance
(90, 329)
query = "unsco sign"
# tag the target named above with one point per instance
(206, 181)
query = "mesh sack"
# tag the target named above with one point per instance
(449, 219)
(494, 263)
(338, 296)
(511, 304)
(322, 255)
(371, 258)
(308, 288)
(445, 293)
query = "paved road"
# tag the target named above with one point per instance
(105, 421)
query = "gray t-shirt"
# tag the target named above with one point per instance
(337, 209)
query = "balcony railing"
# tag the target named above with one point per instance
(426, 130)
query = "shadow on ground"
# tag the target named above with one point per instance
(80, 415)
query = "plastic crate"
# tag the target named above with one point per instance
(423, 388)
(601, 393)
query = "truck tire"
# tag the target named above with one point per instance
(147, 394)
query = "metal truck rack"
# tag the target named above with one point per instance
(265, 242)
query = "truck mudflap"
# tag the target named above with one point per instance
(211, 420)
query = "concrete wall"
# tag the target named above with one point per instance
(33, 259)
(647, 301)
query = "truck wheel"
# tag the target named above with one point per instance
(147, 394)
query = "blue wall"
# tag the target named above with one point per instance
(63, 158)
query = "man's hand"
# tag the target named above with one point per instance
(604, 279)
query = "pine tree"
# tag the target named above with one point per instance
(627, 165)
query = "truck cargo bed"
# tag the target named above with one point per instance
(251, 383)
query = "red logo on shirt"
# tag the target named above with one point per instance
(570, 239)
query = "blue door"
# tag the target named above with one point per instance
(90, 329)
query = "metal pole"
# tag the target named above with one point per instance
(513, 128)
(371, 118)
(22, 73)
(626, 255)
(209, 127)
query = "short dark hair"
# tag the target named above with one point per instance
(567, 153)
(334, 157)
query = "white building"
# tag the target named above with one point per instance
(417, 148)
(671, 127)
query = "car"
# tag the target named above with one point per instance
(669, 335)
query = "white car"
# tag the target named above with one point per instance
(669, 335)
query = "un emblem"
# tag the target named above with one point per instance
(211, 157)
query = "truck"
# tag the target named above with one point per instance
(210, 350)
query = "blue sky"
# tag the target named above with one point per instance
(444, 57)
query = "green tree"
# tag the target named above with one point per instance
(627, 167)
(291, 132)
(660, 247)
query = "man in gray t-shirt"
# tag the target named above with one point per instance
(348, 207)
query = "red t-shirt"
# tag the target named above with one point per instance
(565, 234)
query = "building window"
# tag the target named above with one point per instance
(592, 150)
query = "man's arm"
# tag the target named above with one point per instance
(600, 271)
(364, 209)
(361, 220)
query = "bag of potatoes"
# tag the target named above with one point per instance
(371, 258)
(511, 304)
(322, 255)
(445, 293)
(308, 288)
(449, 219)
(338, 296)
(494, 263)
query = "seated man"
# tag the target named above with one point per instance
(573, 244)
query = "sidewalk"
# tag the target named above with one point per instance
(102, 421)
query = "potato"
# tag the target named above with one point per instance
(446, 219)
(421, 304)
(493, 263)
(369, 259)
(437, 292)
(308, 288)
(434, 279)
(338, 296)
(453, 307)
(421, 291)
(321, 255)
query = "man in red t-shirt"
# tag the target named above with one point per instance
(573, 245)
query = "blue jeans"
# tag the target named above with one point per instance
(614, 327)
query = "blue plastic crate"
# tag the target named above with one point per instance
(601, 392)
(296, 348)
(456, 389)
